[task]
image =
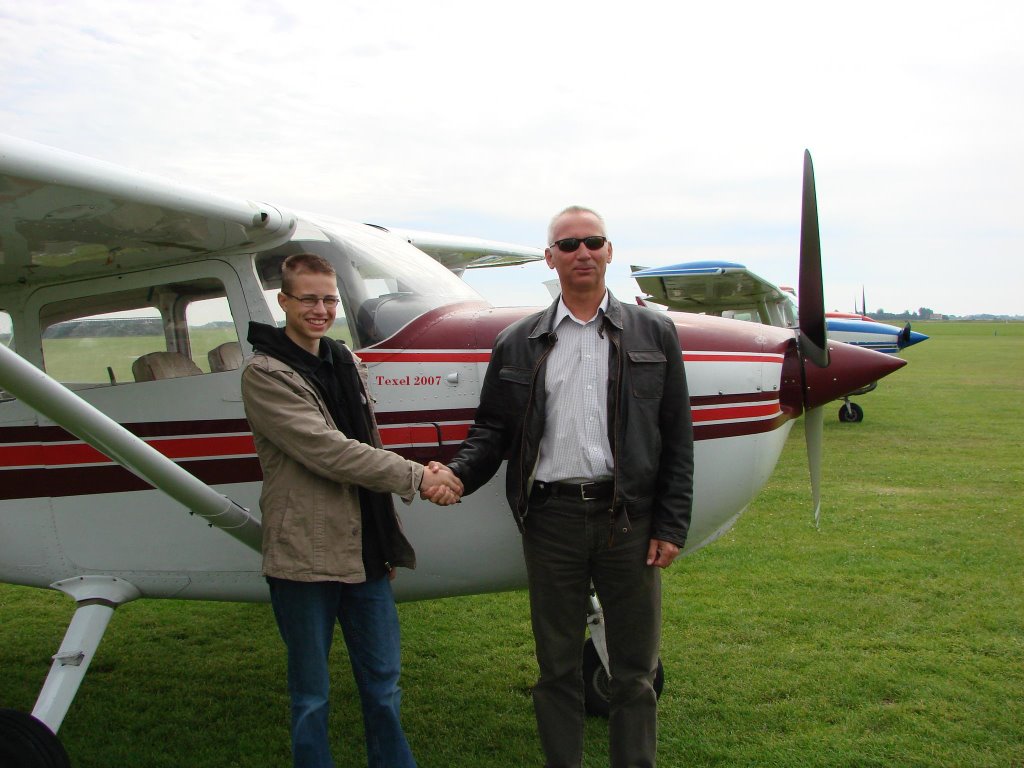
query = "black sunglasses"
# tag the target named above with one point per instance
(570, 244)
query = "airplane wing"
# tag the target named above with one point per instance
(460, 253)
(63, 215)
(711, 287)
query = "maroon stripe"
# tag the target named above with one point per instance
(112, 478)
(714, 431)
(744, 397)
(425, 417)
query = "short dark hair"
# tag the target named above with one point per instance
(303, 262)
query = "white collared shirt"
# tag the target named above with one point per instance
(575, 444)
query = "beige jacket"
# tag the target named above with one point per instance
(310, 500)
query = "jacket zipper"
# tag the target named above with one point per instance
(617, 346)
(526, 423)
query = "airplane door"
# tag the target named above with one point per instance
(160, 352)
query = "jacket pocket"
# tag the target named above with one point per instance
(516, 375)
(291, 543)
(515, 387)
(647, 372)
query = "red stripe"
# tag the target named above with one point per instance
(423, 434)
(402, 356)
(30, 455)
(70, 454)
(703, 357)
(736, 412)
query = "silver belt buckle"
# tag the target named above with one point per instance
(583, 492)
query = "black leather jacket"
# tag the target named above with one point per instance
(649, 424)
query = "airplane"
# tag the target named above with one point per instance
(727, 289)
(128, 469)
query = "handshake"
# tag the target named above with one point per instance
(440, 485)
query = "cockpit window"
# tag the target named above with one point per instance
(384, 282)
(7, 339)
(147, 333)
(6, 330)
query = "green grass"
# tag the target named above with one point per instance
(892, 636)
(85, 360)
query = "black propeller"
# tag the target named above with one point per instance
(813, 337)
(905, 336)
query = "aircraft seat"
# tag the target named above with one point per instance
(225, 357)
(163, 365)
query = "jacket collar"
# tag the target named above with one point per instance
(546, 319)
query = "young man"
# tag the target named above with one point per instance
(331, 537)
(589, 400)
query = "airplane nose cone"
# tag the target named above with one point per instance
(913, 338)
(850, 368)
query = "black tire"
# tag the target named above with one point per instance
(596, 684)
(26, 743)
(851, 413)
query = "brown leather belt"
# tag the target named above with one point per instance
(594, 491)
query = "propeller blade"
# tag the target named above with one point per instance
(812, 339)
(814, 432)
(813, 336)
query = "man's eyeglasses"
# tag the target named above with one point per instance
(330, 302)
(570, 244)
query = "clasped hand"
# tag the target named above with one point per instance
(440, 485)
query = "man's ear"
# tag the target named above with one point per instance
(547, 258)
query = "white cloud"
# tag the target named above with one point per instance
(684, 125)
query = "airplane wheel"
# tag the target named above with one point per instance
(597, 685)
(851, 413)
(26, 743)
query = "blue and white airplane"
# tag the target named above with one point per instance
(727, 289)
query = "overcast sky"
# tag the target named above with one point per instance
(684, 124)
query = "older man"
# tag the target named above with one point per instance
(589, 399)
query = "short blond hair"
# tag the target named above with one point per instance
(303, 262)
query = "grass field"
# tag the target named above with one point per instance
(892, 636)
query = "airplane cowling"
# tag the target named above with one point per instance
(850, 368)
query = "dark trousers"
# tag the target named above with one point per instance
(566, 544)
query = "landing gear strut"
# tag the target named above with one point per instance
(596, 677)
(30, 741)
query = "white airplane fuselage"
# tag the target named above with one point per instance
(68, 511)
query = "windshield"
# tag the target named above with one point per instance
(384, 282)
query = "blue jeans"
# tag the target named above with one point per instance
(305, 613)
